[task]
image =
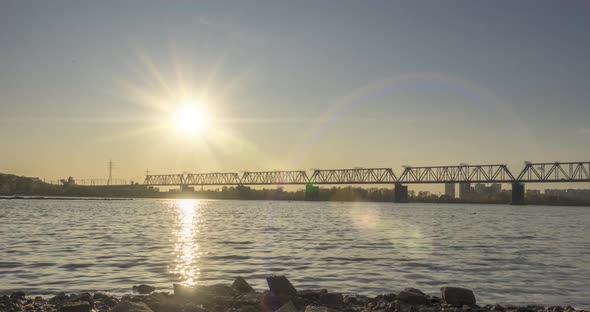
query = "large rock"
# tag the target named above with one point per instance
(415, 290)
(18, 295)
(332, 299)
(413, 298)
(128, 306)
(76, 306)
(143, 289)
(241, 286)
(280, 285)
(457, 296)
(60, 298)
(83, 297)
(219, 290)
(289, 307)
(319, 309)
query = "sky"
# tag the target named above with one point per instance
(290, 85)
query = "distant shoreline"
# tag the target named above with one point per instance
(179, 196)
(13, 187)
(60, 198)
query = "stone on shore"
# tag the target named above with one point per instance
(143, 289)
(280, 285)
(76, 306)
(128, 306)
(332, 299)
(18, 295)
(319, 309)
(415, 290)
(288, 307)
(182, 291)
(457, 296)
(60, 298)
(413, 297)
(241, 286)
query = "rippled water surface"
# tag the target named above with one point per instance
(506, 254)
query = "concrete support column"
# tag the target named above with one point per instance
(517, 194)
(312, 192)
(400, 193)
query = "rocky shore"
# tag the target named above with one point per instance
(281, 296)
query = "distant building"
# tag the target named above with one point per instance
(496, 188)
(480, 189)
(533, 192)
(450, 190)
(570, 194)
(464, 189)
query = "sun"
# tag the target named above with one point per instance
(189, 119)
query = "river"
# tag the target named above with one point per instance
(506, 254)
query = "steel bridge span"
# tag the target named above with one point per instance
(464, 174)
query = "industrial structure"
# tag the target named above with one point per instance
(463, 174)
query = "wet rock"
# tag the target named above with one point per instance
(143, 289)
(167, 307)
(386, 297)
(18, 295)
(60, 298)
(415, 290)
(497, 307)
(331, 299)
(272, 302)
(356, 300)
(219, 290)
(100, 296)
(183, 291)
(288, 307)
(457, 296)
(241, 286)
(86, 297)
(249, 308)
(128, 306)
(319, 309)
(192, 308)
(76, 306)
(413, 298)
(247, 299)
(280, 285)
(111, 301)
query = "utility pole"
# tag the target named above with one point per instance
(110, 180)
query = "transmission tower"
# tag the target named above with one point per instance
(110, 180)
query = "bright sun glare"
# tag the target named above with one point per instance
(188, 119)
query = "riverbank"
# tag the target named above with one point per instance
(60, 198)
(280, 296)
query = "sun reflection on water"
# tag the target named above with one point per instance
(187, 247)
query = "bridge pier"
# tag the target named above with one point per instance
(400, 194)
(518, 194)
(312, 192)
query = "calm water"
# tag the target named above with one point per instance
(524, 254)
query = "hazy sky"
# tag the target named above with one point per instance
(291, 85)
